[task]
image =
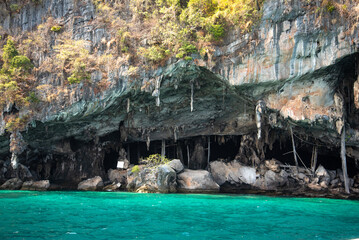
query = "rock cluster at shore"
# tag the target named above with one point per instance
(232, 176)
(273, 176)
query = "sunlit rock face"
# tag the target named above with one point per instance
(292, 40)
(303, 69)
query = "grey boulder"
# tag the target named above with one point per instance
(118, 176)
(232, 172)
(91, 184)
(12, 184)
(196, 181)
(36, 186)
(166, 179)
(176, 165)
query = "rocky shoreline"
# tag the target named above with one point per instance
(270, 178)
(232, 117)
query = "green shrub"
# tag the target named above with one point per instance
(9, 52)
(79, 74)
(73, 79)
(21, 63)
(153, 53)
(124, 49)
(32, 98)
(188, 48)
(133, 71)
(135, 169)
(78, 77)
(155, 160)
(56, 28)
(330, 7)
(180, 54)
(123, 37)
(14, 7)
(217, 31)
(185, 50)
(188, 58)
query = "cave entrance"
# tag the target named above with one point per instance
(139, 150)
(328, 158)
(110, 160)
(75, 144)
(221, 147)
(224, 147)
(198, 148)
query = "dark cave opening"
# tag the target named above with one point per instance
(75, 144)
(139, 150)
(328, 158)
(110, 160)
(224, 147)
(221, 147)
(112, 137)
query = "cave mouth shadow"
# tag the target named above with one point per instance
(110, 160)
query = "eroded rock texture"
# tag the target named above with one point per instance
(291, 72)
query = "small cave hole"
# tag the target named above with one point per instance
(75, 144)
(110, 160)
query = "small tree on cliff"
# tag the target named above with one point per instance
(15, 78)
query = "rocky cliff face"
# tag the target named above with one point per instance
(295, 71)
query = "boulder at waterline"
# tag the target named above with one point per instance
(272, 180)
(36, 186)
(12, 184)
(112, 187)
(196, 181)
(323, 175)
(232, 172)
(91, 184)
(166, 179)
(118, 176)
(176, 165)
(156, 179)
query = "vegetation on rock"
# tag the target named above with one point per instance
(15, 79)
(56, 28)
(155, 160)
(160, 29)
(135, 169)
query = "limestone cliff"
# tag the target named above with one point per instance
(297, 69)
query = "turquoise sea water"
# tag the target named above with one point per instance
(101, 215)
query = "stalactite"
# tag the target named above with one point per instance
(344, 161)
(209, 150)
(192, 97)
(128, 105)
(148, 142)
(293, 145)
(14, 160)
(188, 157)
(163, 148)
(314, 158)
(259, 112)
(175, 134)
